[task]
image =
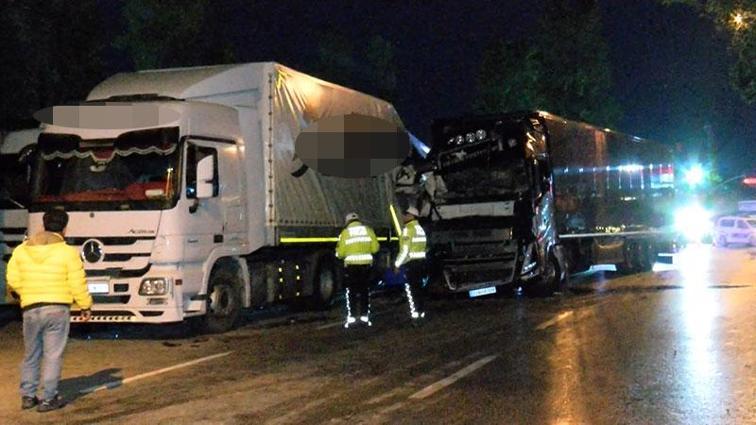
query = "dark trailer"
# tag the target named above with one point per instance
(526, 198)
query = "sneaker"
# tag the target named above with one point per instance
(28, 402)
(54, 403)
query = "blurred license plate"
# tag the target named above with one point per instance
(98, 287)
(482, 291)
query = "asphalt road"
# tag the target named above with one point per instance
(676, 346)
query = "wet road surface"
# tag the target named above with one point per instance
(676, 346)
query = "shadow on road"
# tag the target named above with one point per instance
(9, 314)
(71, 388)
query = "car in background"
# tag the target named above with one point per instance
(733, 229)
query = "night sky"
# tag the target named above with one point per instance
(669, 65)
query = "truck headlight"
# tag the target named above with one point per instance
(154, 286)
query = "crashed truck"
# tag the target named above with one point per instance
(16, 153)
(524, 199)
(185, 196)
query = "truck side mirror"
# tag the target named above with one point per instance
(206, 177)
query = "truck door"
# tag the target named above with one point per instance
(203, 189)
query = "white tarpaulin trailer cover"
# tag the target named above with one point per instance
(275, 104)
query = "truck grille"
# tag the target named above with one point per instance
(475, 258)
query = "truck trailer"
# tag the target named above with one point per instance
(185, 195)
(523, 199)
(16, 151)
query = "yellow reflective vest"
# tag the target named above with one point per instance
(412, 244)
(46, 270)
(357, 244)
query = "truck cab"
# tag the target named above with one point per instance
(493, 224)
(150, 206)
(16, 153)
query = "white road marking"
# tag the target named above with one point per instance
(330, 325)
(125, 381)
(554, 321)
(456, 376)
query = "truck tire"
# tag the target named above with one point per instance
(647, 257)
(324, 284)
(224, 303)
(631, 258)
(546, 285)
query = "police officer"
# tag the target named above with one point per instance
(406, 186)
(356, 246)
(412, 253)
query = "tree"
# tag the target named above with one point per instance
(509, 79)
(170, 33)
(380, 67)
(563, 68)
(52, 54)
(738, 17)
(371, 69)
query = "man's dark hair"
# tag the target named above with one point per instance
(55, 220)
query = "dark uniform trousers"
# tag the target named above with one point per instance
(357, 279)
(416, 271)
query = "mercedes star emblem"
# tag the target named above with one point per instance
(91, 251)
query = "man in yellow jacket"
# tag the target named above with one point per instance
(48, 276)
(356, 246)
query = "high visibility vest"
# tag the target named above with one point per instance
(357, 244)
(412, 244)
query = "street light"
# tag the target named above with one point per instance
(740, 20)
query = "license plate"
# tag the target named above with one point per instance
(482, 291)
(98, 287)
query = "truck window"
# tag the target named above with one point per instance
(742, 224)
(726, 223)
(195, 154)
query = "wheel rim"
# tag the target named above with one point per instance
(221, 301)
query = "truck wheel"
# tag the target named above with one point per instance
(631, 258)
(546, 285)
(649, 257)
(324, 284)
(224, 303)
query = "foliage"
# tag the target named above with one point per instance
(52, 51)
(563, 68)
(742, 36)
(170, 33)
(371, 69)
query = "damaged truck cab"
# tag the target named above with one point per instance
(493, 220)
(523, 199)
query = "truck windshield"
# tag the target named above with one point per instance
(485, 179)
(137, 170)
(14, 185)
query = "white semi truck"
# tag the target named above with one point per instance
(15, 152)
(185, 195)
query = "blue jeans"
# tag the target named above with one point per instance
(45, 335)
